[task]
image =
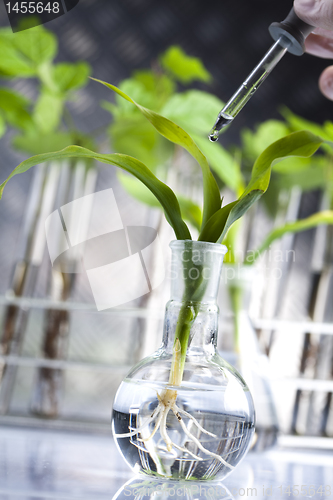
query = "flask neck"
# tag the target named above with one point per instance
(203, 328)
(195, 277)
(196, 271)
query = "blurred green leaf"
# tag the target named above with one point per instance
(12, 62)
(141, 94)
(161, 191)
(296, 165)
(37, 44)
(2, 125)
(194, 111)
(328, 129)
(320, 218)
(71, 76)
(175, 134)
(24, 52)
(254, 143)
(221, 162)
(38, 143)
(145, 143)
(14, 108)
(299, 123)
(184, 68)
(157, 84)
(138, 190)
(312, 176)
(48, 111)
(190, 211)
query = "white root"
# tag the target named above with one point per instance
(183, 412)
(163, 430)
(199, 445)
(185, 450)
(167, 403)
(157, 424)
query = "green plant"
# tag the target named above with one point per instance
(158, 89)
(44, 123)
(216, 219)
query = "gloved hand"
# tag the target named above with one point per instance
(320, 42)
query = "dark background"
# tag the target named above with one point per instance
(116, 37)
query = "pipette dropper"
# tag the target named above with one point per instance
(289, 36)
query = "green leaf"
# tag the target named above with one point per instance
(161, 191)
(137, 89)
(70, 76)
(320, 218)
(189, 210)
(184, 68)
(2, 125)
(37, 143)
(48, 111)
(23, 52)
(218, 225)
(38, 45)
(299, 123)
(254, 143)
(12, 62)
(157, 84)
(175, 134)
(146, 143)
(295, 144)
(194, 111)
(221, 162)
(306, 173)
(14, 107)
(138, 190)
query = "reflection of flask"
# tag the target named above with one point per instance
(247, 356)
(201, 427)
(146, 489)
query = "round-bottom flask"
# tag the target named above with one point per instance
(184, 412)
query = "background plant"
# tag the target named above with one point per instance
(43, 123)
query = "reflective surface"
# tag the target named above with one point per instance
(37, 464)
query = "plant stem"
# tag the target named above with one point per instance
(236, 295)
(183, 330)
(191, 301)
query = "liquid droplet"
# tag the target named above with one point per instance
(223, 120)
(213, 137)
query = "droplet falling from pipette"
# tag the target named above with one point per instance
(223, 120)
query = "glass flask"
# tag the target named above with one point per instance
(184, 412)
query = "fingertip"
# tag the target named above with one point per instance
(326, 83)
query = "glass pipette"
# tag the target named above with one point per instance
(289, 36)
